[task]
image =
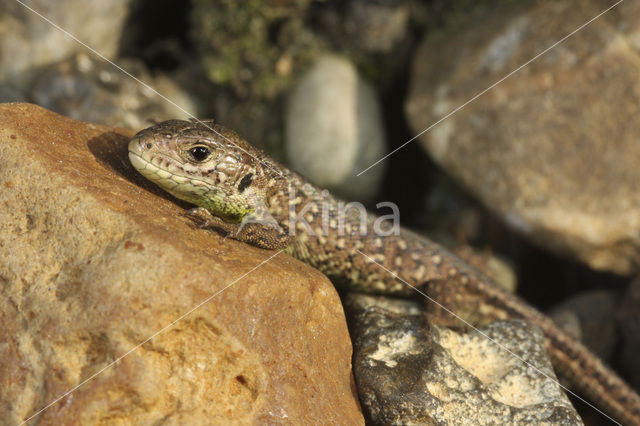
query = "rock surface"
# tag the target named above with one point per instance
(88, 89)
(377, 26)
(93, 263)
(554, 148)
(334, 129)
(628, 318)
(21, 31)
(590, 318)
(408, 373)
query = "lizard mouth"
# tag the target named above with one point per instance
(159, 168)
(185, 188)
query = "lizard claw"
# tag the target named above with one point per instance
(200, 216)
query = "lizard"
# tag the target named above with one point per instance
(242, 192)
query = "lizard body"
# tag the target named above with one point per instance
(251, 197)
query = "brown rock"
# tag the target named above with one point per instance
(554, 148)
(92, 264)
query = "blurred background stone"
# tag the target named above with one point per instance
(590, 317)
(334, 129)
(28, 42)
(553, 149)
(628, 318)
(89, 90)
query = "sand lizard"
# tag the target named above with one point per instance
(241, 191)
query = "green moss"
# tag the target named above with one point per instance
(253, 46)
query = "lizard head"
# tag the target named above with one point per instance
(201, 163)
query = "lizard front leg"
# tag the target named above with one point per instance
(251, 230)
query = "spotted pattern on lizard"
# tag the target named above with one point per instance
(242, 192)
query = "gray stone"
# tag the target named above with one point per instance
(554, 148)
(628, 318)
(590, 319)
(410, 373)
(28, 42)
(334, 129)
(377, 26)
(87, 89)
(11, 94)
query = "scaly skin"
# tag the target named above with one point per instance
(249, 196)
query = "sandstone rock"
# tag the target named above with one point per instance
(93, 263)
(408, 373)
(554, 148)
(334, 129)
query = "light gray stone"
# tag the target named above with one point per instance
(334, 129)
(28, 42)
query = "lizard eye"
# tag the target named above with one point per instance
(199, 153)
